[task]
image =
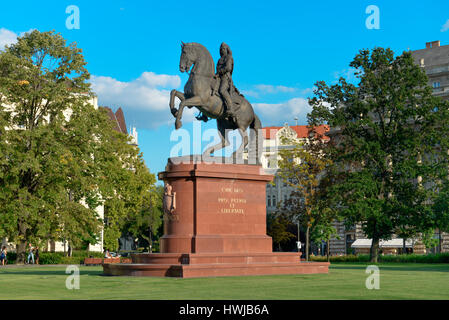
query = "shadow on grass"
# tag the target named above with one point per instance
(437, 268)
(48, 272)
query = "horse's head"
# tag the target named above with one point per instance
(188, 57)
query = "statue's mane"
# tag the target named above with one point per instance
(206, 55)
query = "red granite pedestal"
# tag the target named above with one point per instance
(218, 227)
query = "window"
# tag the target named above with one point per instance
(269, 200)
(436, 85)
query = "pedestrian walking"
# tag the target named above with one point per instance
(3, 255)
(30, 254)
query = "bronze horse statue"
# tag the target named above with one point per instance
(199, 92)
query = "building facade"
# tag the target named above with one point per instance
(434, 59)
(279, 190)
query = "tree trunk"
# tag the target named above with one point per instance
(439, 241)
(327, 250)
(404, 248)
(69, 251)
(21, 252)
(150, 244)
(21, 245)
(307, 243)
(374, 251)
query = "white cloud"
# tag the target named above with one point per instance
(143, 100)
(276, 114)
(445, 26)
(265, 89)
(7, 37)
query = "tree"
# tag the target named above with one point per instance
(440, 210)
(126, 187)
(61, 158)
(322, 228)
(301, 167)
(388, 144)
(277, 229)
(147, 221)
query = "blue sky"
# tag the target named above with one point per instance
(280, 49)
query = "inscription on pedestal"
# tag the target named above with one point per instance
(231, 199)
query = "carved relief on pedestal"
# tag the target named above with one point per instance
(169, 201)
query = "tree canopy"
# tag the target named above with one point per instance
(60, 157)
(389, 142)
(302, 165)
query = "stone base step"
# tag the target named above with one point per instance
(214, 270)
(208, 258)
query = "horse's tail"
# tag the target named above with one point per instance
(256, 125)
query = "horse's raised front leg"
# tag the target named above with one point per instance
(175, 93)
(194, 101)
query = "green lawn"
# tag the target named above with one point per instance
(344, 281)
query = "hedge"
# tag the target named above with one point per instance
(59, 257)
(402, 258)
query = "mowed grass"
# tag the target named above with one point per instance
(344, 281)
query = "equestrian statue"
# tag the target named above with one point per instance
(215, 96)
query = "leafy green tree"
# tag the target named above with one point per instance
(277, 229)
(147, 221)
(323, 228)
(440, 210)
(60, 158)
(40, 78)
(388, 145)
(301, 167)
(126, 188)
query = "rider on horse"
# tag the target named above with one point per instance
(223, 77)
(225, 66)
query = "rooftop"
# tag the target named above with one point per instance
(301, 131)
(118, 118)
(433, 55)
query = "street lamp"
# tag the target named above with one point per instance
(298, 243)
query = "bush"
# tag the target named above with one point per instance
(85, 254)
(417, 258)
(345, 258)
(403, 258)
(77, 257)
(11, 257)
